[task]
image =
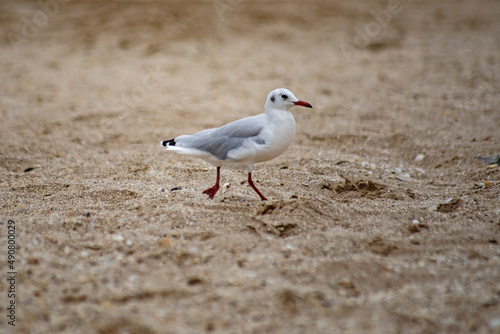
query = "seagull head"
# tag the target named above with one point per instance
(283, 99)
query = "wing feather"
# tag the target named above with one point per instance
(230, 137)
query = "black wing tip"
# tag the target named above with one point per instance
(170, 142)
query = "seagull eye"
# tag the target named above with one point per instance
(284, 97)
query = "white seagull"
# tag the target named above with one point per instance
(245, 142)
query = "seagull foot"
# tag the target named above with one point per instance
(212, 191)
(250, 182)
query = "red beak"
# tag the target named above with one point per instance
(303, 104)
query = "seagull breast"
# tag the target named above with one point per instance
(278, 135)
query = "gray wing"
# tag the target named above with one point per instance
(220, 141)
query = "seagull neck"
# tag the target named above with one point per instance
(278, 113)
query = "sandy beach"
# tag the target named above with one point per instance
(379, 217)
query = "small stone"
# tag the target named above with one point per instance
(494, 323)
(419, 157)
(420, 170)
(415, 221)
(50, 238)
(491, 160)
(487, 183)
(194, 280)
(94, 246)
(29, 169)
(21, 208)
(166, 242)
(117, 237)
(129, 242)
(404, 178)
(84, 254)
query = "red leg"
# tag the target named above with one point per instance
(212, 191)
(250, 182)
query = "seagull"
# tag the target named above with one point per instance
(245, 142)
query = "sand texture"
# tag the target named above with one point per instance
(380, 219)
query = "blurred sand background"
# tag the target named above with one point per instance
(380, 220)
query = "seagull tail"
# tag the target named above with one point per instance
(170, 142)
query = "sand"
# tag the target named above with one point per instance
(379, 219)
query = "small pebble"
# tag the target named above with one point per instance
(414, 221)
(21, 208)
(403, 177)
(129, 242)
(420, 170)
(494, 323)
(51, 238)
(117, 237)
(419, 157)
(29, 169)
(166, 242)
(490, 160)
